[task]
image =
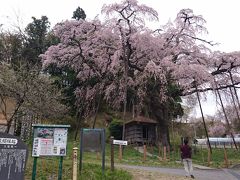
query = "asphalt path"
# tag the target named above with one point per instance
(200, 174)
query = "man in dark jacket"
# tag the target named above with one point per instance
(186, 155)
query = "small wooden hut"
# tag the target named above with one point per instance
(140, 130)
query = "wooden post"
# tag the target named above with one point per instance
(169, 153)
(120, 153)
(74, 173)
(178, 153)
(112, 153)
(164, 153)
(209, 157)
(202, 154)
(144, 152)
(152, 150)
(225, 157)
(98, 155)
(159, 151)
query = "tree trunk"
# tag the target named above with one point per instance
(161, 114)
(163, 135)
(78, 119)
(96, 112)
(9, 122)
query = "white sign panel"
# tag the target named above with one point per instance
(60, 136)
(49, 141)
(36, 147)
(8, 141)
(120, 142)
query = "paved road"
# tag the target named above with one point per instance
(200, 174)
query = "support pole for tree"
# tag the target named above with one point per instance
(234, 88)
(235, 91)
(204, 124)
(234, 104)
(124, 110)
(225, 157)
(225, 115)
(209, 157)
(125, 57)
(164, 153)
(144, 152)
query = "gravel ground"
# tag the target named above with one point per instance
(156, 173)
(149, 175)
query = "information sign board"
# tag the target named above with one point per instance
(49, 140)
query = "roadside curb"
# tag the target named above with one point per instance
(203, 167)
(200, 166)
(235, 166)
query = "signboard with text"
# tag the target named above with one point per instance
(49, 140)
(120, 142)
(13, 157)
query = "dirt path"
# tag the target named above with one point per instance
(156, 173)
(150, 175)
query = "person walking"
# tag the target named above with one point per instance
(186, 155)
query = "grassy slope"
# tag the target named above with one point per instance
(48, 167)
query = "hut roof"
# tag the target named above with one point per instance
(142, 119)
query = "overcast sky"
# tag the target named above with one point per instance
(222, 16)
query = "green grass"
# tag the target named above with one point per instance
(200, 156)
(94, 172)
(217, 157)
(47, 168)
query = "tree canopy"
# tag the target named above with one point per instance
(118, 61)
(123, 61)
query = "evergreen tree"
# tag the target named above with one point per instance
(79, 14)
(36, 39)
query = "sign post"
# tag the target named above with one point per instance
(120, 143)
(74, 175)
(13, 156)
(49, 140)
(112, 153)
(34, 171)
